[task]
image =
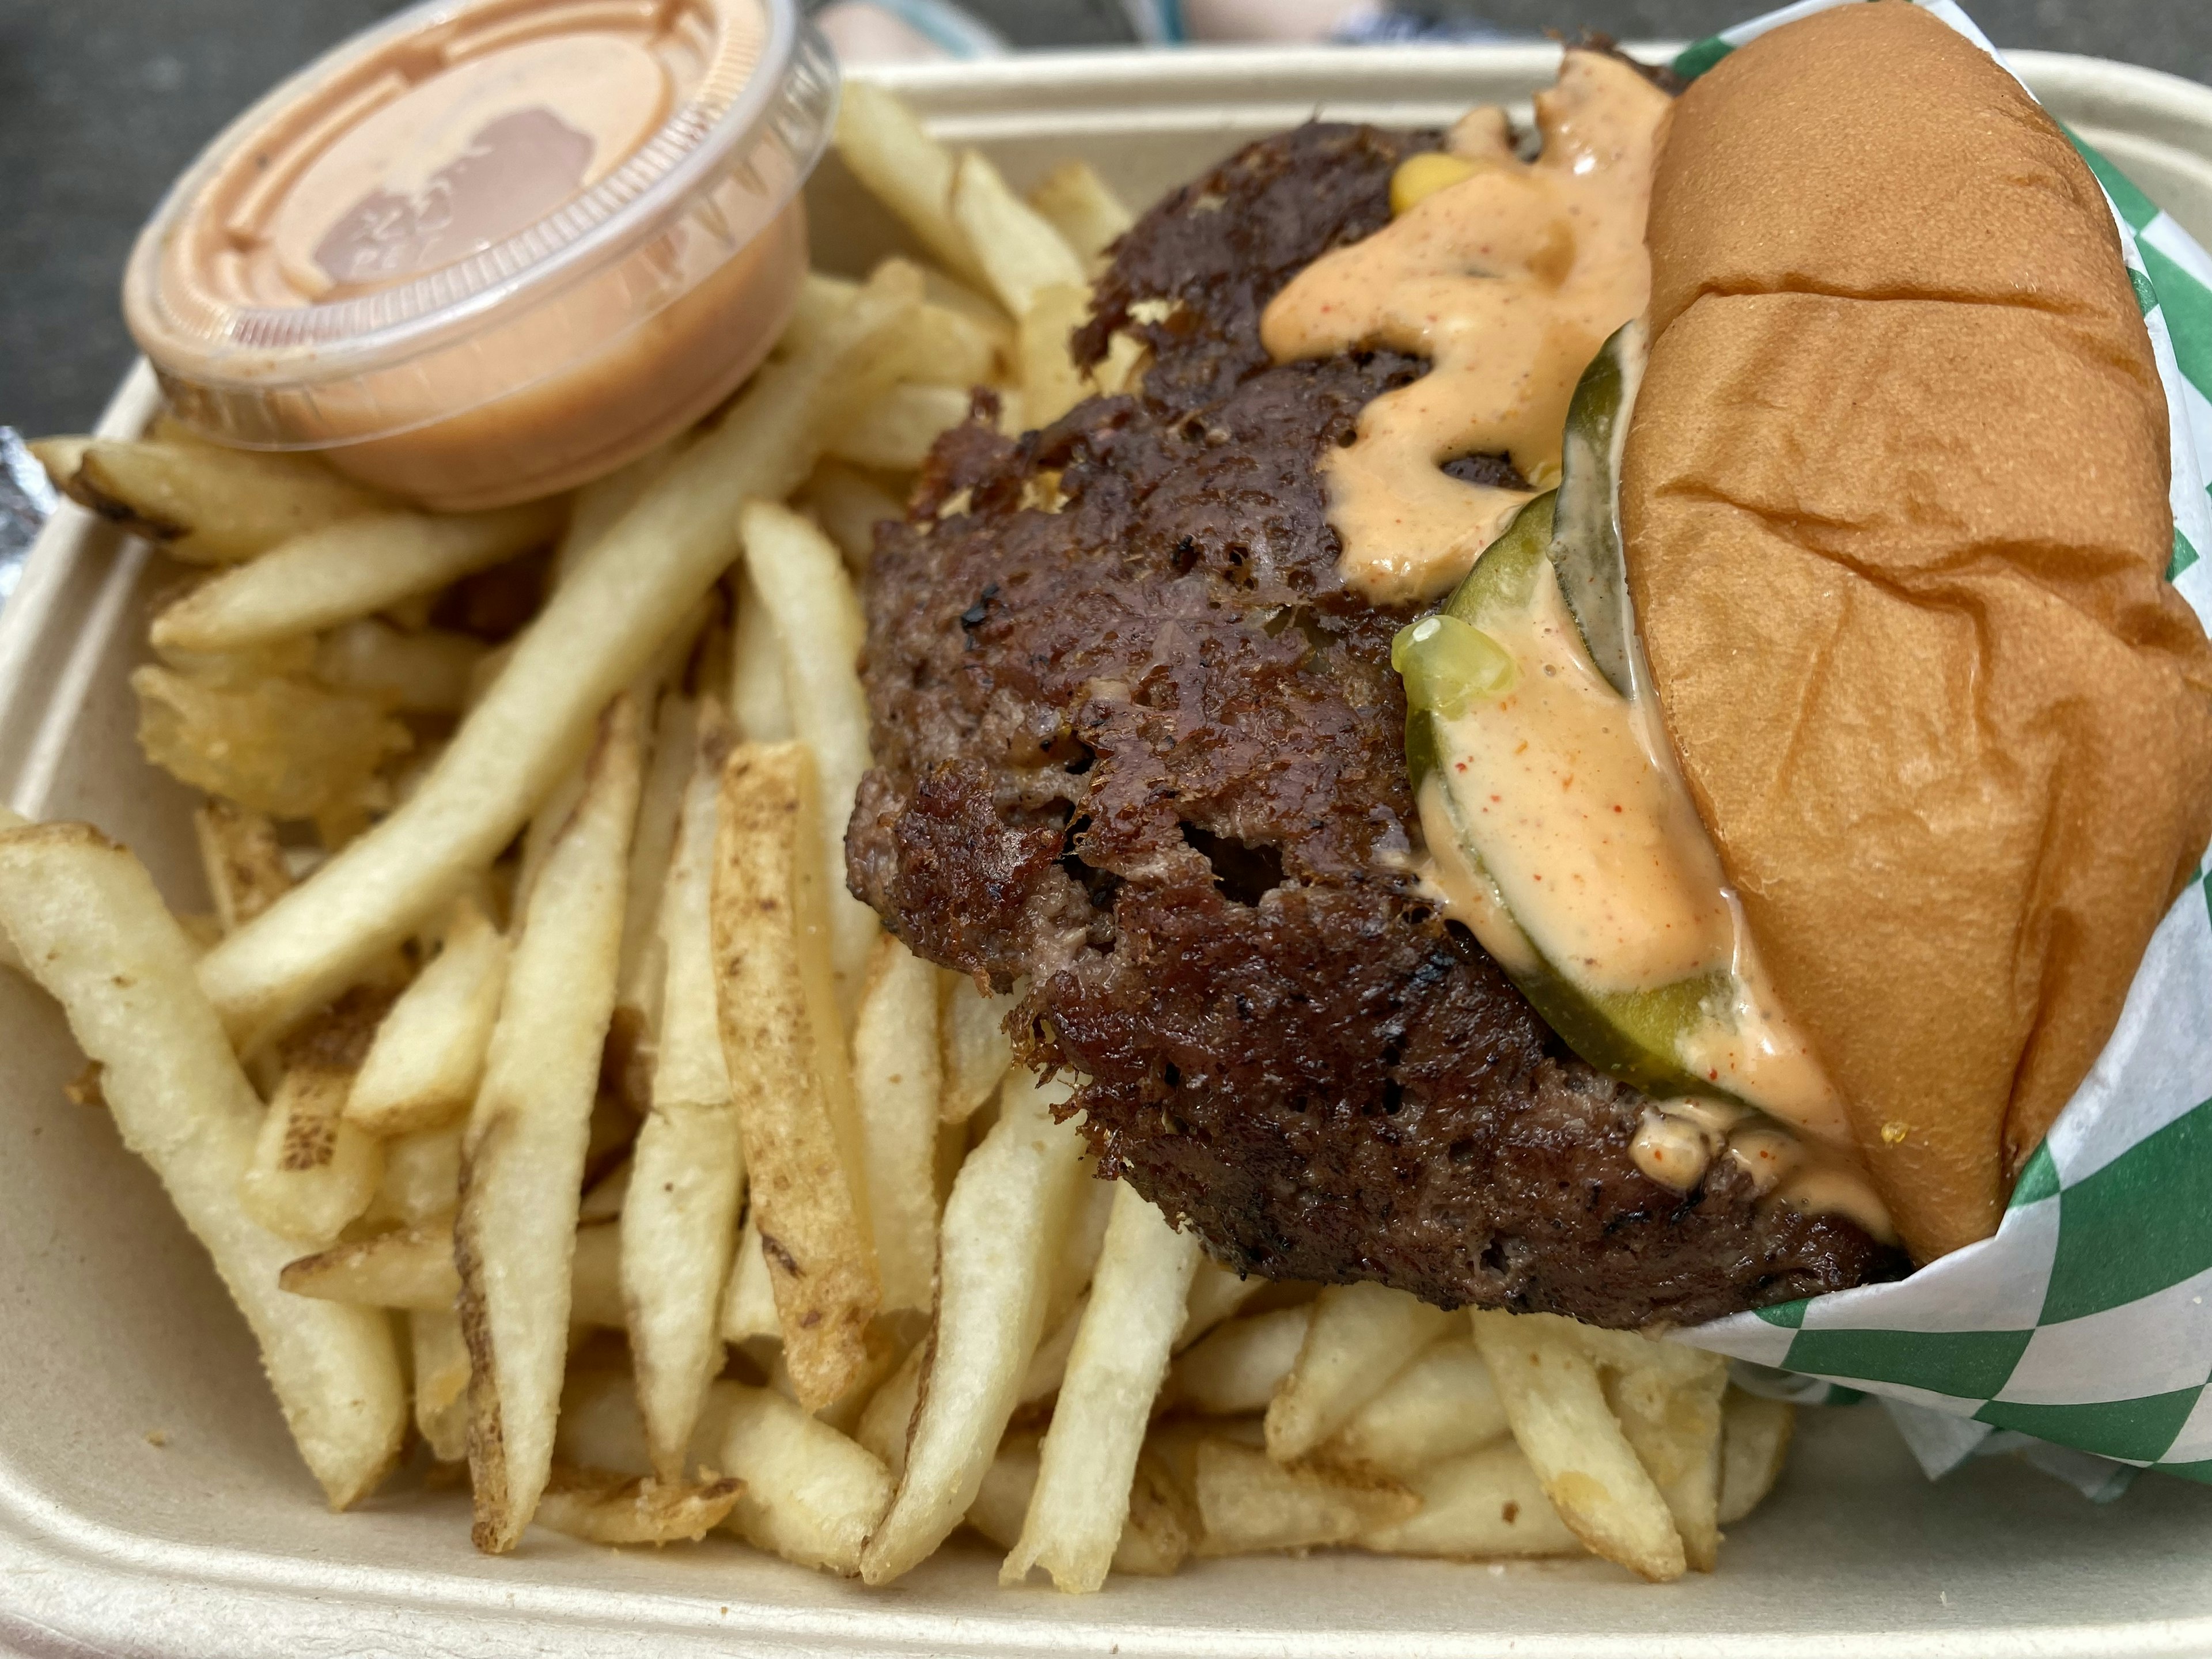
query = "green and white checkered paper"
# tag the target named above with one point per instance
(2083, 1324)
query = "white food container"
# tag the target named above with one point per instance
(151, 1504)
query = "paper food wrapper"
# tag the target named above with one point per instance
(2080, 1333)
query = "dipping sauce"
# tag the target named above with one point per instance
(1508, 281)
(493, 249)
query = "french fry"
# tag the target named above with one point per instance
(893, 434)
(972, 1040)
(822, 299)
(811, 1495)
(680, 1226)
(312, 1171)
(906, 169)
(886, 1353)
(895, 1082)
(1216, 1293)
(345, 571)
(409, 1268)
(279, 745)
(1667, 1400)
(428, 672)
(849, 506)
(1003, 1226)
(1018, 249)
(242, 859)
(1482, 1504)
(600, 1427)
(801, 581)
(523, 1155)
(1442, 1406)
(1090, 1454)
(84, 914)
(596, 632)
(748, 1303)
(604, 1199)
(602, 1509)
(1558, 1408)
(644, 961)
(1755, 1434)
(789, 1072)
(1088, 1219)
(422, 1177)
(1051, 383)
(204, 504)
(599, 505)
(1361, 1336)
(1012, 1200)
(1083, 207)
(1248, 1502)
(1048, 1366)
(887, 1420)
(595, 1291)
(1238, 1367)
(441, 1381)
(759, 703)
(1155, 1541)
(427, 1056)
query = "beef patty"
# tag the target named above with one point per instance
(1138, 750)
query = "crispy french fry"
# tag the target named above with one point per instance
(895, 1082)
(1216, 1293)
(1085, 1238)
(811, 1495)
(422, 1177)
(427, 1058)
(312, 1171)
(904, 168)
(1558, 1408)
(1048, 1366)
(1755, 1435)
(346, 571)
(1361, 1336)
(1442, 1406)
(205, 504)
(1012, 1200)
(1240, 1365)
(886, 1353)
(84, 914)
(604, 1509)
(242, 859)
(1248, 1502)
(427, 673)
(972, 1040)
(1090, 1456)
(822, 299)
(595, 1292)
(1083, 207)
(410, 1268)
(887, 1420)
(524, 1153)
(789, 1072)
(749, 1303)
(600, 1427)
(680, 1226)
(1018, 249)
(849, 506)
(441, 1381)
(801, 581)
(280, 745)
(1051, 383)
(1486, 1502)
(595, 634)
(893, 434)
(1667, 1400)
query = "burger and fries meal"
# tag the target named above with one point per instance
(1179, 885)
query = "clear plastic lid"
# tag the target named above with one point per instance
(493, 247)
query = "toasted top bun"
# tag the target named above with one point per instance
(1895, 497)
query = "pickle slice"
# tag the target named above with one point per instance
(1636, 1036)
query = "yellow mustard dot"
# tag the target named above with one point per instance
(1424, 175)
(1893, 1134)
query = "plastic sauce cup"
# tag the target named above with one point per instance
(493, 248)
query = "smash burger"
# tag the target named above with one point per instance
(1604, 733)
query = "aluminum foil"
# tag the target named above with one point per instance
(26, 501)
